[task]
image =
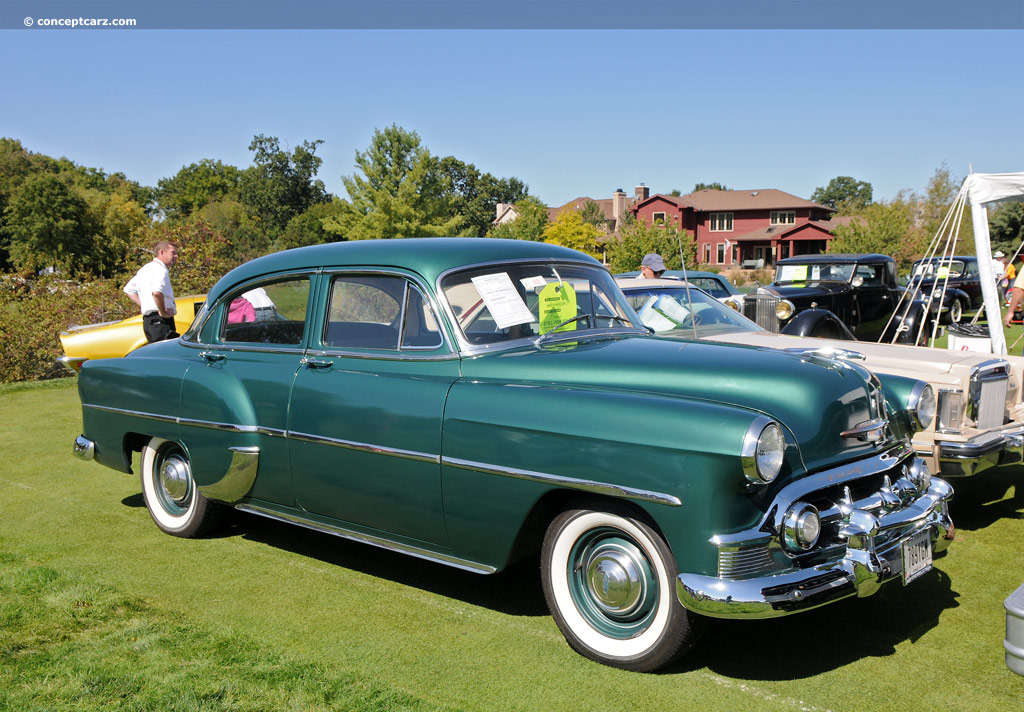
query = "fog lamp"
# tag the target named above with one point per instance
(801, 527)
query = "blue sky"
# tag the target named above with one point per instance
(571, 113)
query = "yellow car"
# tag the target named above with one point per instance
(117, 338)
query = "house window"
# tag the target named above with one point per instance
(721, 253)
(659, 218)
(783, 217)
(707, 254)
(721, 222)
(735, 254)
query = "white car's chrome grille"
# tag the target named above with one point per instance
(992, 403)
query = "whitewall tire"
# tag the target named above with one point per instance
(609, 580)
(172, 497)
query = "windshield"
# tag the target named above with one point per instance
(502, 303)
(684, 311)
(817, 272)
(933, 268)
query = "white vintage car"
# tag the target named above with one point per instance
(980, 418)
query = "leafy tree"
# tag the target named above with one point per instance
(709, 186)
(844, 193)
(1006, 227)
(933, 207)
(204, 255)
(474, 195)
(593, 215)
(47, 226)
(308, 228)
(280, 185)
(570, 230)
(883, 227)
(194, 186)
(245, 234)
(399, 193)
(533, 218)
(637, 238)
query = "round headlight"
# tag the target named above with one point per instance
(922, 405)
(763, 446)
(784, 309)
(732, 303)
(801, 527)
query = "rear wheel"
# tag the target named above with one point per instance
(609, 580)
(172, 497)
(956, 312)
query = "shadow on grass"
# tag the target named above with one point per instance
(825, 639)
(515, 591)
(987, 497)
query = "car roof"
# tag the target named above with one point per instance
(640, 283)
(426, 256)
(678, 274)
(871, 257)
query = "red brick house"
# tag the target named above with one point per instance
(743, 227)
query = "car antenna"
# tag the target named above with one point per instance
(686, 281)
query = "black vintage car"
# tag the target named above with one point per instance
(958, 275)
(837, 296)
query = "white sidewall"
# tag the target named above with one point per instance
(165, 520)
(590, 637)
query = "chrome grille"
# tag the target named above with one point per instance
(992, 403)
(761, 309)
(748, 561)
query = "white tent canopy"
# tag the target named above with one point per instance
(984, 188)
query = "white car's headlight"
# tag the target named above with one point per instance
(922, 405)
(763, 448)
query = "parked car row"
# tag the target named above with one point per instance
(476, 402)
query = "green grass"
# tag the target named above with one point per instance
(99, 610)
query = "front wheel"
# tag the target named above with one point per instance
(956, 312)
(172, 497)
(609, 580)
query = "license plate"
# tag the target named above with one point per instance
(917, 556)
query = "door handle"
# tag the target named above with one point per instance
(211, 356)
(316, 363)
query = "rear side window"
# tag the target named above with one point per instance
(271, 313)
(379, 312)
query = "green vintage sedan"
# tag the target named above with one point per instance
(475, 402)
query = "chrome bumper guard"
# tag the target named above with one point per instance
(85, 449)
(873, 527)
(1004, 447)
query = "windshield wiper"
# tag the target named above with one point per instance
(555, 330)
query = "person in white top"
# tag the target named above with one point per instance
(150, 288)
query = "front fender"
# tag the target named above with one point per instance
(820, 323)
(897, 390)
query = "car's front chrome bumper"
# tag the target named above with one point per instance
(1003, 447)
(873, 530)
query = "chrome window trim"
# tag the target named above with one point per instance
(469, 349)
(572, 482)
(416, 281)
(380, 542)
(383, 355)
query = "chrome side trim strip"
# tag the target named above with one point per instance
(380, 542)
(365, 447)
(239, 478)
(574, 483)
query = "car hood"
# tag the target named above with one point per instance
(815, 398)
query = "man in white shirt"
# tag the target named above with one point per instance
(150, 288)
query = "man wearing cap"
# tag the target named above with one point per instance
(150, 288)
(652, 266)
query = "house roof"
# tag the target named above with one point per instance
(716, 200)
(606, 205)
(776, 232)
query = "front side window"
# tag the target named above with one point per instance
(783, 217)
(379, 312)
(721, 222)
(268, 313)
(503, 303)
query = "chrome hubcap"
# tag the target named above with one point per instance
(615, 579)
(175, 478)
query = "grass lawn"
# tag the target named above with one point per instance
(99, 610)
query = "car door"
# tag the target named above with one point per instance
(236, 394)
(873, 300)
(366, 407)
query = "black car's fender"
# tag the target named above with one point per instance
(820, 323)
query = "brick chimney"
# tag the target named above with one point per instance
(641, 192)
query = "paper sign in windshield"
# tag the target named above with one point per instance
(557, 303)
(507, 308)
